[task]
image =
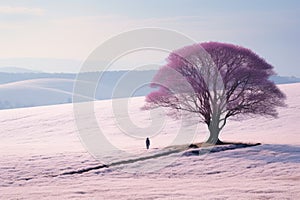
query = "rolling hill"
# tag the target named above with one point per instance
(19, 90)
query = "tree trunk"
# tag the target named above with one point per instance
(214, 132)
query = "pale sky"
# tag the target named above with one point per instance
(57, 36)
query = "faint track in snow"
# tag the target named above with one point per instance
(128, 161)
(193, 152)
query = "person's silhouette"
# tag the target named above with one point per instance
(147, 143)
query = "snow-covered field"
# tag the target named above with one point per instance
(38, 145)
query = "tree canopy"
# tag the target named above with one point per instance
(216, 81)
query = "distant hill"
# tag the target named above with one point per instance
(285, 79)
(37, 92)
(19, 90)
(36, 89)
(15, 77)
(9, 75)
(17, 70)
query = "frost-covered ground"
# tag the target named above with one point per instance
(39, 144)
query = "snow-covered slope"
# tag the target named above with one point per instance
(36, 92)
(38, 89)
(38, 145)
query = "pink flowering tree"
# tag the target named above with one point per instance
(216, 81)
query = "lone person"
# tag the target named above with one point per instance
(147, 143)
